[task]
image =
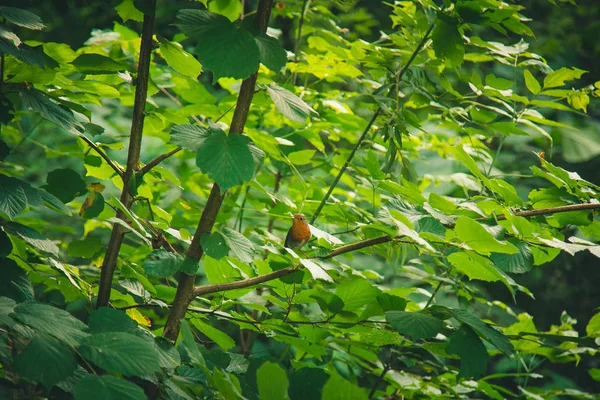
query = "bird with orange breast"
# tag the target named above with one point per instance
(299, 234)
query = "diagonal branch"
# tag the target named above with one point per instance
(366, 131)
(102, 154)
(185, 288)
(133, 158)
(222, 287)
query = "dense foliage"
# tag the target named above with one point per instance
(148, 178)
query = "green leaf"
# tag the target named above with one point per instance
(107, 387)
(51, 320)
(417, 325)
(162, 264)
(168, 356)
(532, 84)
(85, 248)
(45, 360)
(61, 116)
(448, 43)
(389, 302)
(65, 184)
(7, 306)
(272, 382)
(484, 330)
(270, 51)
(580, 146)
(299, 390)
(232, 9)
(187, 344)
(301, 157)
(289, 104)
(195, 23)
(32, 237)
(473, 234)
(94, 64)
(121, 352)
(241, 246)
(127, 11)
(227, 159)
(220, 338)
(189, 266)
(179, 59)
(21, 17)
(13, 199)
(110, 320)
(517, 263)
(473, 355)
(14, 283)
(214, 245)
(559, 77)
(337, 388)
(357, 293)
(593, 327)
(475, 266)
(190, 137)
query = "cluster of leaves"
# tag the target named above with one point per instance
(405, 131)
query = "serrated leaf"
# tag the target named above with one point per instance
(272, 382)
(61, 116)
(357, 293)
(21, 17)
(448, 43)
(168, 356)
(51, 320)
(107, 387)
(473, 355)
(45, 360)
(179, 59)
(13, 199)
(488, 333)
(14, 283)
(517, 263)
(214, 245)
(241, 246)
(121, 352)
(7, 306)
(127, 11)
(270, 51)
(32, 237)
(289, 104)
(107, 319)
(415, 324)
(473, 234)
(187, 344)
(162, 264)
(227, 159)
(190, 137)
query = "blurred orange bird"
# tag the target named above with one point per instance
(299, 234)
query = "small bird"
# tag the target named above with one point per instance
(299, 234)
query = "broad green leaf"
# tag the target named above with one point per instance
(85, 248)
(219, 337)
(189, 266)
(301, 157)
(532, 84)
(475, 266)
(299, 390)
(227, 159)
(389, 302)
(21, 17)
(214, 245)
(493, 81)
(448, 43)
(14, 283)
(127, 11)
(337, 388)
(357, 293)
(94, 64)
(65, 184)
(316, 270)
(107, 387)
(229, 8)
(39, 102)
(239, 244)
(179, 59)
(289, 104)
(560, 76)
(272, 382)
(162, 263)
(168, 356)
(517, 263)
(195, 23)
(51, 320)
(187, 345)
(270, 51)
(121, 352)
(473, 355)
(484, 330)
(593, 327)
(32, 237)
(45, 360)
(473, 234)
(110, 320)
(7, 306)
(190, 137)
(13, 199)
(417, 325)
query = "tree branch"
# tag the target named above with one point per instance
(185, 288)
(366, 131)
(553, 210)
(146, 168)
(133, 158)
(102, 154)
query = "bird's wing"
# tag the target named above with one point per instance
(288, 239)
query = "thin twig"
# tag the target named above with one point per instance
(378, 381)
(102, 154)
(303, 13)
(146, 168)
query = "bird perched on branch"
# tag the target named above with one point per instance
(299, 234)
